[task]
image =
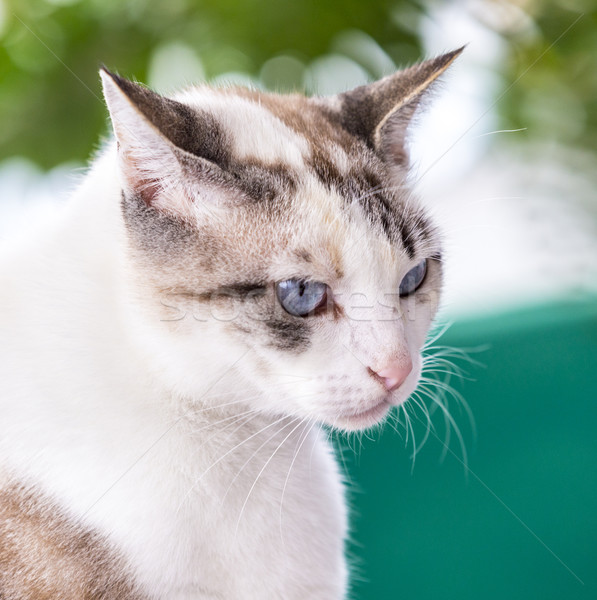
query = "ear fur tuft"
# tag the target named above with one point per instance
(385, 108)
(160, 147)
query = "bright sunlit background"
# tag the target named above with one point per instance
(504, 157)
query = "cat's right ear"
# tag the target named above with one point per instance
(380, 113)
(167, 155)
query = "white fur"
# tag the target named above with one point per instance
(198, 458)
(84, 417)
(241, 116)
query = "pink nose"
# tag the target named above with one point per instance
(395, 373)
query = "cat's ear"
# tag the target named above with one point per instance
(380, 112)
(168, 154)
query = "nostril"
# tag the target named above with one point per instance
(374, 374)
(389, 385)
(394, 374)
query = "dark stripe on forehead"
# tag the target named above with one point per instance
(366, 182)
(326, 171)
(367, 187)
(407, 237)
(426, 229)
(263, 182)
(419, 231)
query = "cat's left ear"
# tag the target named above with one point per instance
(379, 113)
(169, 155)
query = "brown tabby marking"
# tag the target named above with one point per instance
(350, 166)
(45, 555)
(364, 177)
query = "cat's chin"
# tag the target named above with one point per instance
(365, 419)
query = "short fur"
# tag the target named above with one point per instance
(160, 410)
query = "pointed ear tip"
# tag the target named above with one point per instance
(442, 62)
(107, 76)
(112, 89)
(448, 57)
(459, 51)
(451, 56)
(113, 84)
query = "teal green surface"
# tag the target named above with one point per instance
(521, 521)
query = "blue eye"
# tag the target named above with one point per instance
(413, 279)
(299, 297)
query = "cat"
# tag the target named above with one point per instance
(236, 269)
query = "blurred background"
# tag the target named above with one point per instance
(500, 504)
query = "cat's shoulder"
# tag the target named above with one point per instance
(45, 553)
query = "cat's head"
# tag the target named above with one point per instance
(275, 245)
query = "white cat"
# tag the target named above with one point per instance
(236, 269)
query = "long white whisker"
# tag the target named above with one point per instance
(300, 422)
(301, 440)
(221, 458)
(395, 423)
(412, 432)
(255, 454)
(416, 399)
(500, 131)
(438, 368)
(450, 424)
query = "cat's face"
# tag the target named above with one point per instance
(276, 237)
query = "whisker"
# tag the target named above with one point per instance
(440, 364)
(500, 131)
(412, 431)
(300, 422)
(429, 423)
(221, 458)
(450, 425)
(395, 423)
(255, 454)
(300, 443)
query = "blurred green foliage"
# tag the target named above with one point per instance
(553, 64)
(50, 103)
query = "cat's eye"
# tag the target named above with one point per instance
(300, 297)
(413, 279)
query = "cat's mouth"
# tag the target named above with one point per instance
(367, 418)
